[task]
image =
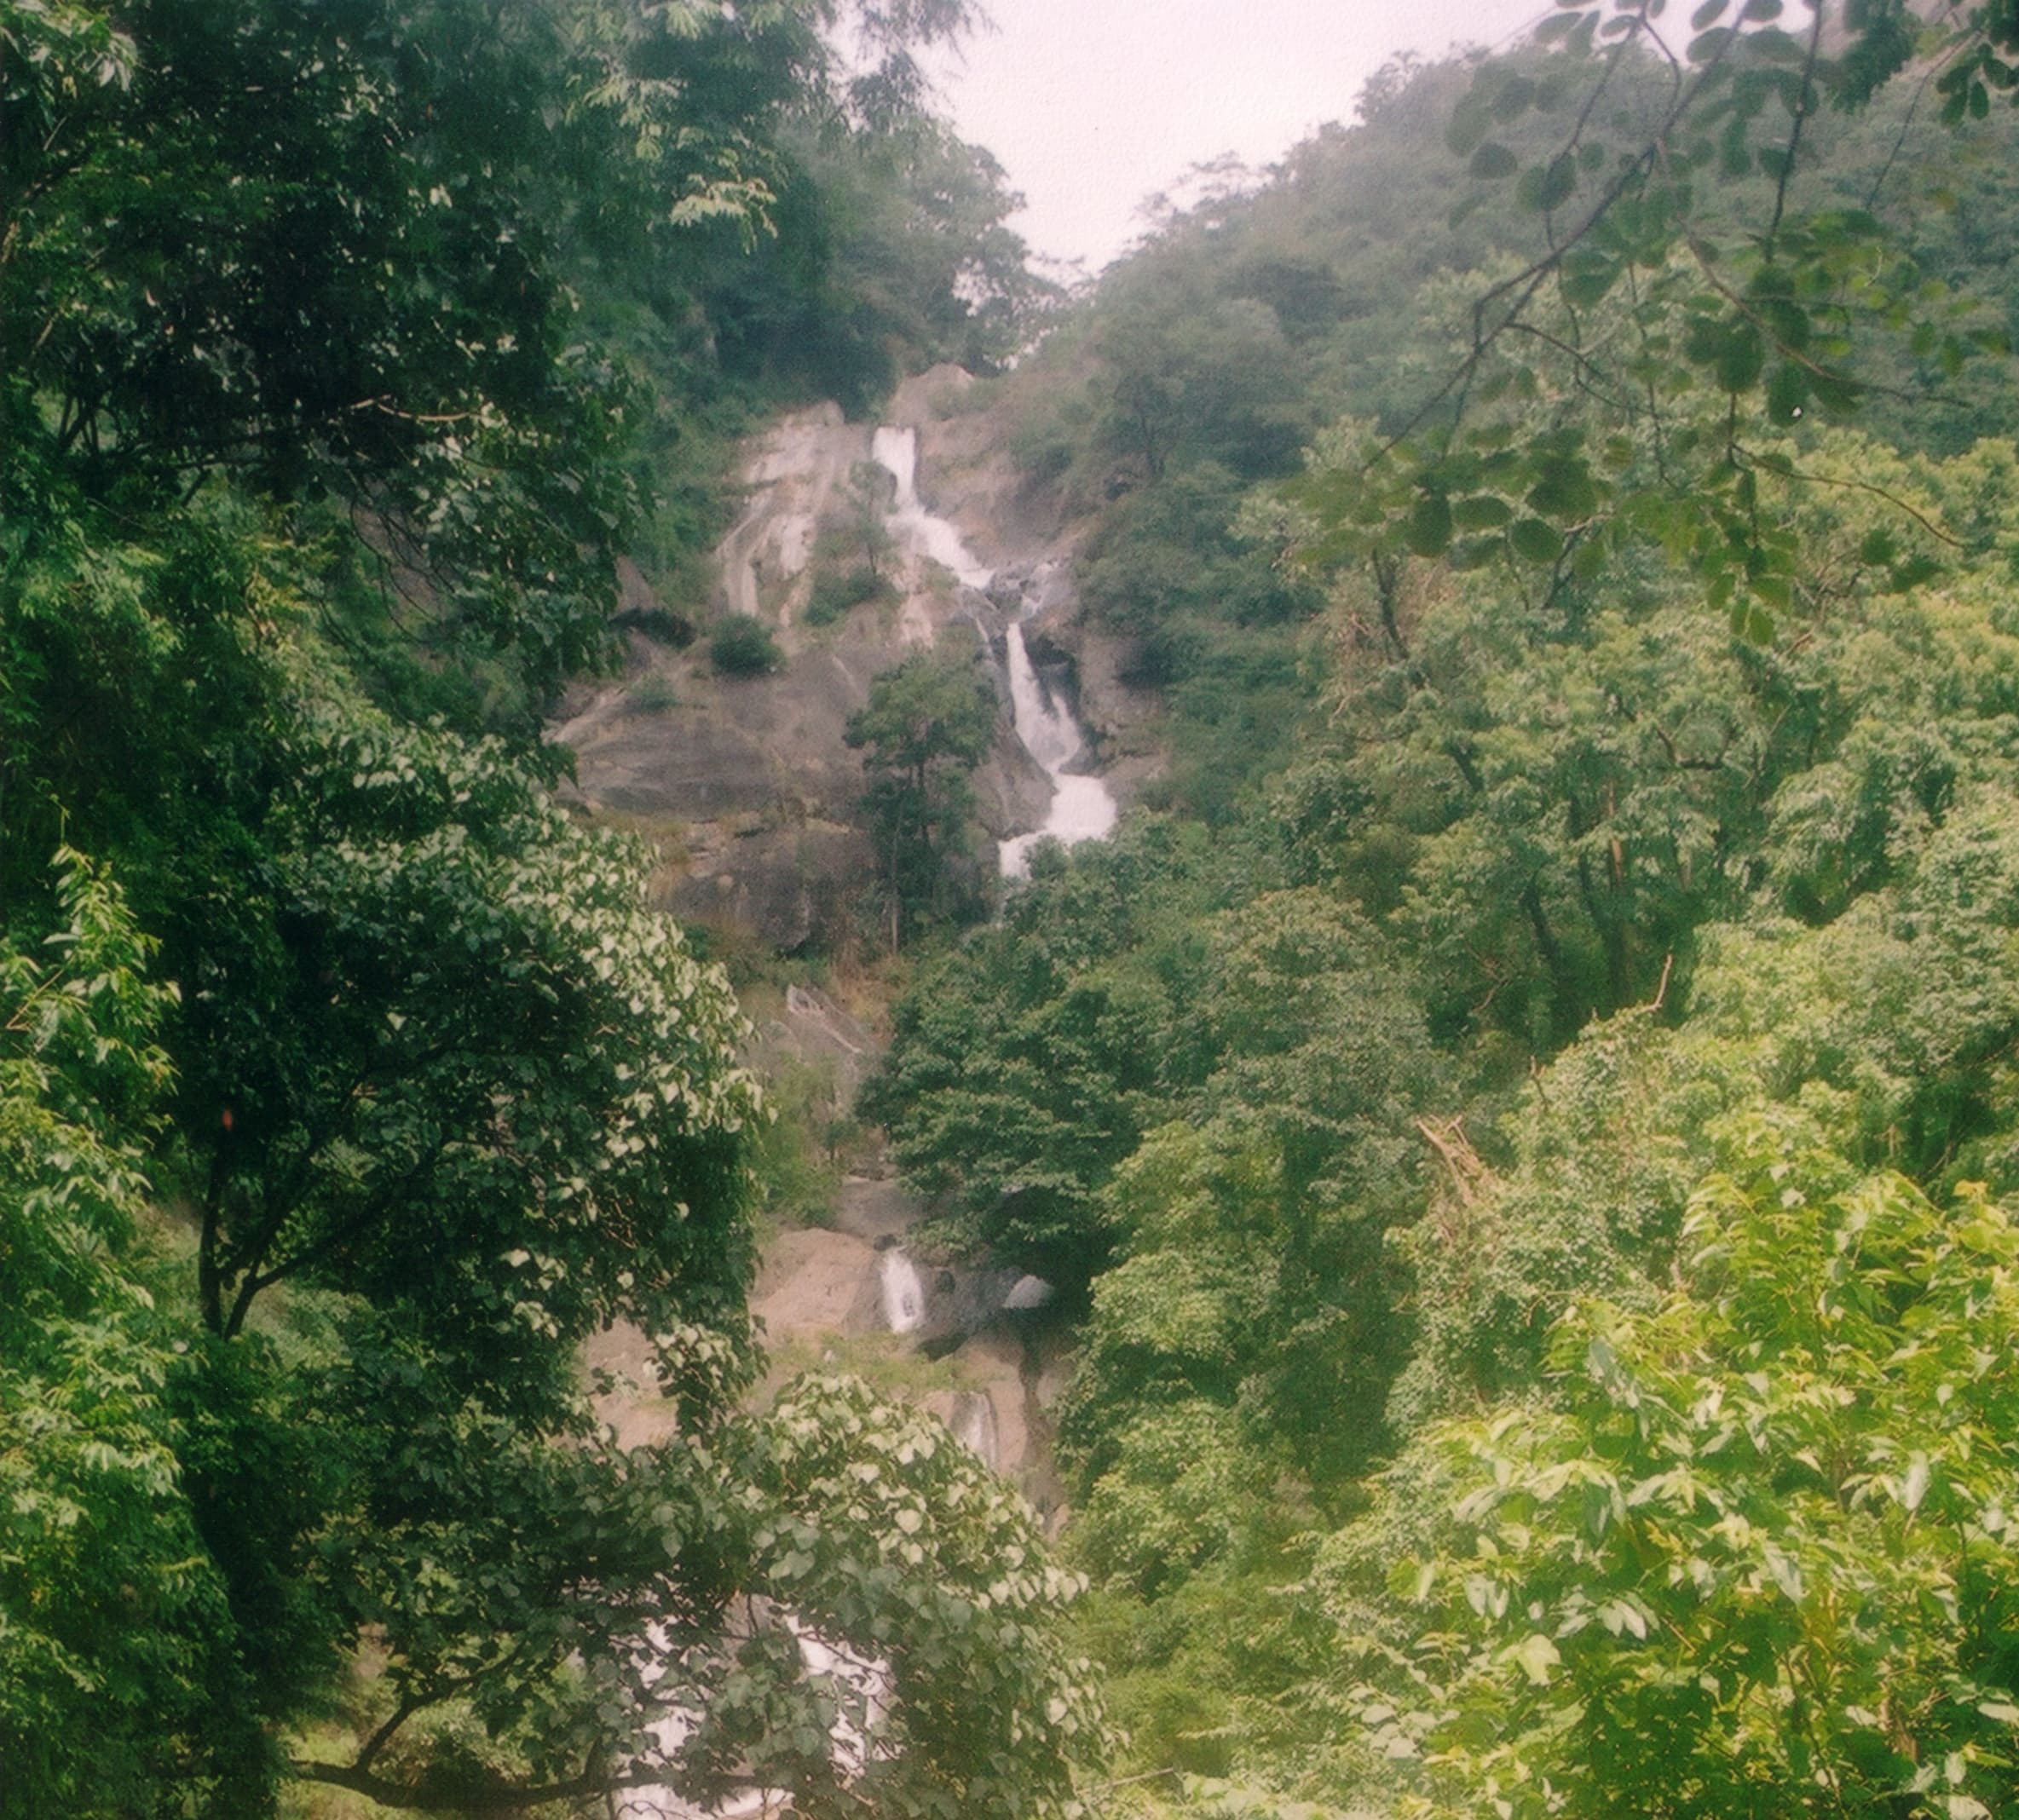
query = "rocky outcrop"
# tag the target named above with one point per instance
(747, 784)
(822, 1297)
(991, 1371)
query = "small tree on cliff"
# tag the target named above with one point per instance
(870, 491)
(928, 724)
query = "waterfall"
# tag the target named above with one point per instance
(904, 1292)
(1082, 806)
(973, 1424)
(1049, 734)
(917, 531)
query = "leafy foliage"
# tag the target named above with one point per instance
(472, 1026)
(116, 1674)
(1118, 1084)
(925, 727)
(742, 646)
(1025, 1065)
(837, 592)
(1750, 1561)
(1701, 288)
(889, 1536)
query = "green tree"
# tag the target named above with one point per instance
(1026, 1064)
(1878, 1033)
(1749, 1558)
(117, 1673)
(597, 1622)
(442, 1054)
(883, 1534)
(742, 645)
(890, 249)
(1704, 286)
(1251, 1274)
(925, 727)
(1192, 377)
(183, 292)
(457, 1100)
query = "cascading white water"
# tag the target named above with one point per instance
(1082, 806)
(1049, 734)
(973, 1424)
(916, 530)
(904, 1292)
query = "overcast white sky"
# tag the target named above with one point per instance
(1093, 105)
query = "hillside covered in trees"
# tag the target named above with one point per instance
(1522, 1114)
(1525, 1102)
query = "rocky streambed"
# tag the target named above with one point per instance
(972, 1345)
(957, 1341)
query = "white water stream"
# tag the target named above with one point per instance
(918, 531)
(904, 1292)
(1082, 806)
(973, 1424)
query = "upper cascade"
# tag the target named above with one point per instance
(1082, 807)
(897, 451)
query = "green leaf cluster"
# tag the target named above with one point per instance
(927, 724)
(1748, 1554)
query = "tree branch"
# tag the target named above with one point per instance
(1794, 139)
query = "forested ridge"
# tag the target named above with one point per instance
(1526, 1102)
(1522, 1114)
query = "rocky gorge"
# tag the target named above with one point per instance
(746, 788)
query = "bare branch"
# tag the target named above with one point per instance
(1794, 140)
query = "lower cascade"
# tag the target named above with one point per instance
(904, 1292)
(973, 1424)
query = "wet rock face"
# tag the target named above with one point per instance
(790, 886)
(746, 783)
(985, 1330)
(815, 1283)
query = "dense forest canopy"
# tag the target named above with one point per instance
(1529, 1117)
(346, 1082)
(1524, 1112)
